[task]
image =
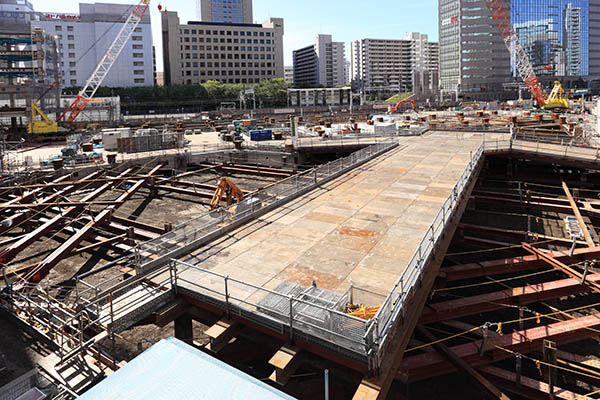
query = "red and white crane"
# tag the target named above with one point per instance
(86, 94)
(523, 65)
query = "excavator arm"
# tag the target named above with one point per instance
(228, 190)
(395, 107)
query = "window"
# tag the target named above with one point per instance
(71, 46)
(71, 37)
(138, 38)
(138, 46)
(71, 55)
(138, 72)
(138, 80)
(138, 29)
(72, 73)
(72, 64)
(73, 82)
(138, 63)
(70, 28)
(58, 28)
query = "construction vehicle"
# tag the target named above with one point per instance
(394, 108)
(86, 94)
(46, 125)
(227, 190)
(557, 98)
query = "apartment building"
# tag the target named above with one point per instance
(321, 63)
(288, 75)
(395, 65)
(84, 38)
(199, 51)
(230, 11)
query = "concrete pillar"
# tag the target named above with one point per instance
(184, 329)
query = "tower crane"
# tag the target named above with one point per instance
(86, 94)
(523, 65)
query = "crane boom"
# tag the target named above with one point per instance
(108, 60)
(511, 40)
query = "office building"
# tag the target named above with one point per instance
(395, 65)
(229, 11)
(84, 38)
(197, 52)
(320, 64)
(557, 35)
(473, 56)
(16, 15)
(288, 75)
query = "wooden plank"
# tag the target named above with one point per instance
(286, 361)
(586, 232)
(220, 334)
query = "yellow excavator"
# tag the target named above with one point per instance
(45, 125)
(557, 98)
(228, 190)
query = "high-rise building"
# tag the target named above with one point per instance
(557, 35)
(395, 65)
(84, 38)
(473, 56)
(197, 52)
(322, 63)
(15, 15)
(231, 11)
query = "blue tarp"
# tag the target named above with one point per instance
(172, 370)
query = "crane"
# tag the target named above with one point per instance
(86, 94)
(524, 67)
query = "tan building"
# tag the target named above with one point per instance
(230, 53)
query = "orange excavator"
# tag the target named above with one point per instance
(228, 190)
(394, 108)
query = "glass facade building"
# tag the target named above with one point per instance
(555, 35)
(226, 11)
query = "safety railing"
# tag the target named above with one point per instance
(294, 314)
(381, 326)
(192, 234)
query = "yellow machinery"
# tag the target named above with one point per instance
(557, 98)
(229, 189)
(43, 126)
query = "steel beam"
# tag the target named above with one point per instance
(582, 225)
(519, 235)
(562, 267)
(9, 253)
(460, 364)
(424, 366)
(529, 294)
(531, 388)
(516, 264)
(38, 273)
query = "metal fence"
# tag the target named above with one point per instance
(380, 327)
(294, 314)
(192, 234)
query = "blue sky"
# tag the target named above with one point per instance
(345, 20)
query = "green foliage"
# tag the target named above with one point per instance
(398, 97)
(269, 93)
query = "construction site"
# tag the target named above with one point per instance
(403, 251)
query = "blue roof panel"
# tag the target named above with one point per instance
(172, 369)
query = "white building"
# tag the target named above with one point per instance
(288, 75)
(395, 65)
(85, 37)
(320, 64)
